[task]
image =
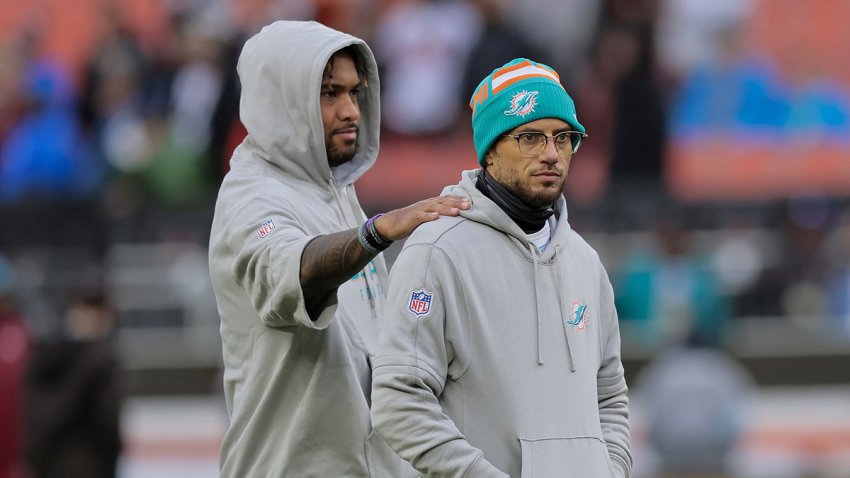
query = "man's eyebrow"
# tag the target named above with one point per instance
(330, 85)
(527, 129)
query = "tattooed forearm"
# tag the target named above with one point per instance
(330, 260)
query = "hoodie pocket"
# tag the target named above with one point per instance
(565, 457)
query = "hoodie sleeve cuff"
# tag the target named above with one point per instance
(481, 468)
(620, 468)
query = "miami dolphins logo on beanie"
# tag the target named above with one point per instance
(523, 103)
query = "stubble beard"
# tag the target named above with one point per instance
(541, 198)
(338, 157)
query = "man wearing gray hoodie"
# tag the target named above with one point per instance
(499, 354)
(295, 264)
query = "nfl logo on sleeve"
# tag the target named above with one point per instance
(420, 302)
(266, 228)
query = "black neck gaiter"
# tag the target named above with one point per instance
(528, 218)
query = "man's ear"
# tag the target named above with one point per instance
(490, 158)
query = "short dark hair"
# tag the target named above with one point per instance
(355, 55)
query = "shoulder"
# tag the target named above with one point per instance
(577, 242)
(447, 232)
(432, 231)
(582, 252)
(242, 195)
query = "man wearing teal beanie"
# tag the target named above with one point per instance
(499, 352)
(519, 92)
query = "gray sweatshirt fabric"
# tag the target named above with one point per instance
(497, 360)
(297, 389)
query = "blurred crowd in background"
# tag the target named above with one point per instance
(113, 143)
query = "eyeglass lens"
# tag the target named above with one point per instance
(534, 142)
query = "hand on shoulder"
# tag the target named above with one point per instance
(400, 223)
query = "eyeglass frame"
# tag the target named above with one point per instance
(573, 149)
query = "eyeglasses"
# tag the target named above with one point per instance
(532, 143)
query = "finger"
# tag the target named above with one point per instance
(460, 202)
(428, 216)
(444, 211)
(452, 198)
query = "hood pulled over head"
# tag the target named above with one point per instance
(280, 69)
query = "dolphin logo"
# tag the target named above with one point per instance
(522, 103)
(578, 314)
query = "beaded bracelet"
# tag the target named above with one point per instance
(370, 239)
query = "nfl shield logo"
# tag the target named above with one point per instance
(420, 302)
(266, 228)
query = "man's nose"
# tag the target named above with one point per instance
(550, 152)
(348, 109)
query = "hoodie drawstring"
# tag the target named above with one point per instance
(561, 306)
(533, 249)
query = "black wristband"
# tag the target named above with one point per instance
(370, 239)
(373, 232)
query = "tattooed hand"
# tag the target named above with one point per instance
(331, 259)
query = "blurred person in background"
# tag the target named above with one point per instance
(793, 283)
(499, 42)
(151, 109)
(639, 132)
(838, 280)
(180, 171)
(613, 54)
(732, 91)
(668, 292)
(295, 265)
(691, 33)
(562, 30)
(11, 88)
(120, 100)
(15, 345)
(507, 366)
(48, 168)
(728, 88)
(43, 157)
(695, 399)
(111, 100)
(423, 46)
(73, 395)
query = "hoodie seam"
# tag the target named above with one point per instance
(472, 465)
(625, 466)
(467, 314)
(499, 231)
(434, 242)
(432, 247)
(602, 321)
(557, 438)
(418, 365)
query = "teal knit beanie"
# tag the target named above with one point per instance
(516, 93)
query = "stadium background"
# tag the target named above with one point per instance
(714, 185)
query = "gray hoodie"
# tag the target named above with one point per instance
(297, 389)
(497, 360)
